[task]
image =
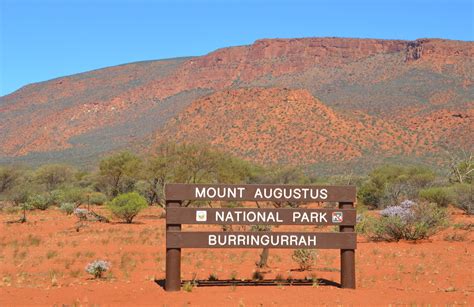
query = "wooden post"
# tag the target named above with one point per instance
(347, 255)
(173, 256)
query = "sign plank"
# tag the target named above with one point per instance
(266, 216)
(260, 192)
(323, 240)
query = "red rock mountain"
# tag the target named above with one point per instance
(306, 101)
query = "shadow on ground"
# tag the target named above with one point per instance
(255, 283)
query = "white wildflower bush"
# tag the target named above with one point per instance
(408, 221)
(81, 213)
(97, 268)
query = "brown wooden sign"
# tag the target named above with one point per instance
(344, 217)
(322, 240)
(267, 216)
(260, 192)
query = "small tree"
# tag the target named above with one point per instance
(117, 172)
(463, 197)
(278, 174)
(54, 175)
(20, 194)
(189, 163)
(389, 184)
(127, 206)
(9, 176)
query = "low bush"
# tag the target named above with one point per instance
(67, 208)
(55, 197)
(463, 197)
(213, 277)
(74, 195)
(97, 198)
(188, 286)
(305, 258)
(365, 223)
(127, 206)
(97, 268)
(389, 184)
(441, 196)
(38, 201)
(409, 221)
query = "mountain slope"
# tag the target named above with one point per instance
(387, 97)
(283, 125)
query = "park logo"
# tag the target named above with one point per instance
(201, 216)
(337, 217)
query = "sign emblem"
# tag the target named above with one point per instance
(337, 217)
(201, 216)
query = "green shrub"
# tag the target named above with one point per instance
(38, 201)
(55, 197)
(20, 194)
(305, 258)
(188, 286)
(391, 184)
(97, 198)
(74, 195)
(463, 197)
(441, 196)
(365, 223)
(409, 222)
(52, 176)
(67, 208)
(127, 206)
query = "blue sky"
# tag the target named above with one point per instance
(41, 40)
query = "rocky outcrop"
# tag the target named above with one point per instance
(438, 49)
(413, 51)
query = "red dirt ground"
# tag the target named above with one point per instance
(42, 263)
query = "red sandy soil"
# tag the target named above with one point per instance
(42, 263)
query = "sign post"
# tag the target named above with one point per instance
(173, 255)
(344, 216)
(347, 255)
